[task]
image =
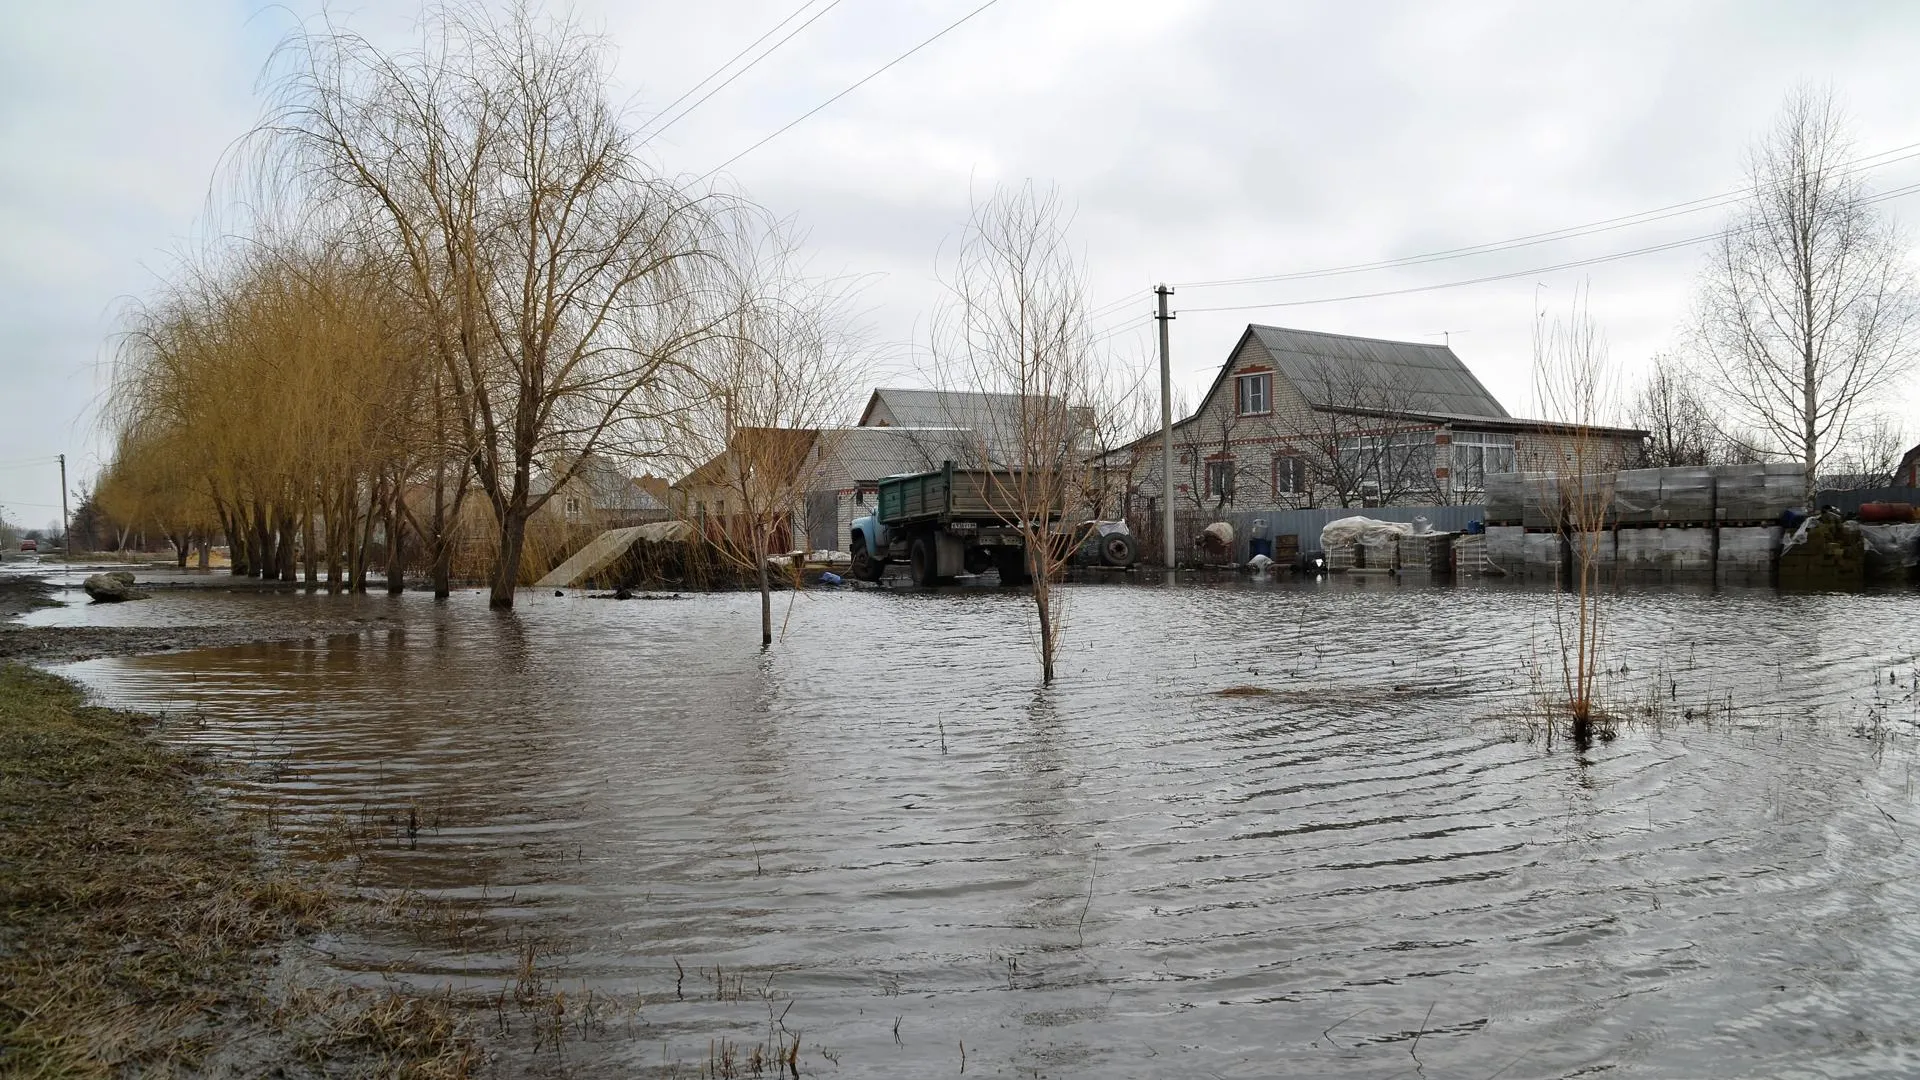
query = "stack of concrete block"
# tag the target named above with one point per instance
(1341, 554)
(1506, 497)
(1659, 496)
(1687, 551)
(1638, 552)
(1540, 555)
(1429, 554)
(1379, 553)
(1746, 554)
(1470, 556)
(1540, 506)
(1506, 549)
(1758, 493)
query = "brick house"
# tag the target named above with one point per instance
(1299, 418)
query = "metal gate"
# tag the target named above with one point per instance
(823, 522)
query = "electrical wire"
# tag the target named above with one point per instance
(656, 132)
(1691, 206)
(950, 27)
(1613, 257)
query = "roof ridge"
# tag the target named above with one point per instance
(1351, 337)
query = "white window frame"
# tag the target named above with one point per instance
(1223, 489)
(1254, 384)
(1296, 480)
(1469, 460)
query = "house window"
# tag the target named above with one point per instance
(1255, 393)
(1220, 480)
(1386, 465)
(1289, 475)
(1477, 453)
(573, 506)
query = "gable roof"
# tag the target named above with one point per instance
(858, 456)
(978, 409)
(1428, 378)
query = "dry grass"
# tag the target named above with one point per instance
(136, 920)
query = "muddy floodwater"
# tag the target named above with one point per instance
(881, 836)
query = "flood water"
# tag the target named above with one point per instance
(885, 837)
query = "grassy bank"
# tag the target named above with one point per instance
(139, 923)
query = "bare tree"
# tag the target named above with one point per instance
(558, 277)
(761, 409)
(1870, 454)
(1806, 307)
(1574, 385)
(1016, 325)
(1678, 422)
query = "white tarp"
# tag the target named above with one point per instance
(1362, 530)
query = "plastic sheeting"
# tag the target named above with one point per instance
(1363, 530)
(1891, 547)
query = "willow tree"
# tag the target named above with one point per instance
(1015, 325)
(1806, 308)
(558, 276)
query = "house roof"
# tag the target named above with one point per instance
(1494, 423)
(861, 455)
(978, 409)
(1425, 378)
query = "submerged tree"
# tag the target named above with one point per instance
(558, 277)
(1573, 384)
(1806, 307)
(759, 410)
(1016, 325)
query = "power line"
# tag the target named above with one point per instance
(1614, 257)
(750, 64)
(1679, 209)
(876, 73)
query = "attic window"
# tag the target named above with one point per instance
(573, 506)
(1255, 393)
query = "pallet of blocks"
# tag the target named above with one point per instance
(1427, 554)
(1470, 557)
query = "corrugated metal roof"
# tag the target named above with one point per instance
(861, 455)
(1423, 377)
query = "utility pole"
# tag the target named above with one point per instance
(66, 533)
(1166, 431)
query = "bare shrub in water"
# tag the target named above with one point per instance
(1574, 385)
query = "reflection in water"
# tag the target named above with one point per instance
(882, 821)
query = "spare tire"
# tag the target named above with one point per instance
(1118, 549)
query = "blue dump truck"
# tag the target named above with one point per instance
(953, 521)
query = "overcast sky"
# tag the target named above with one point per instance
(1197, 141)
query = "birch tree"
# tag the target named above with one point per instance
(1806, 310)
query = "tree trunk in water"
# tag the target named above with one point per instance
(1042, 602)
(506, 567)
(396, 550)
(289, 569)
(362, 552)
(310, 554)
(262, 563)
(443, 571)
(206, 553)
(766, 589)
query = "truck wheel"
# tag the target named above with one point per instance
(864, 566)
(1118, 550)
(920, 558)
(1013, 567)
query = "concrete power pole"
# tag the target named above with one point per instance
(66, 531)
(1166, 431)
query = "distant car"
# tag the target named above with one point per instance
(29, 545)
